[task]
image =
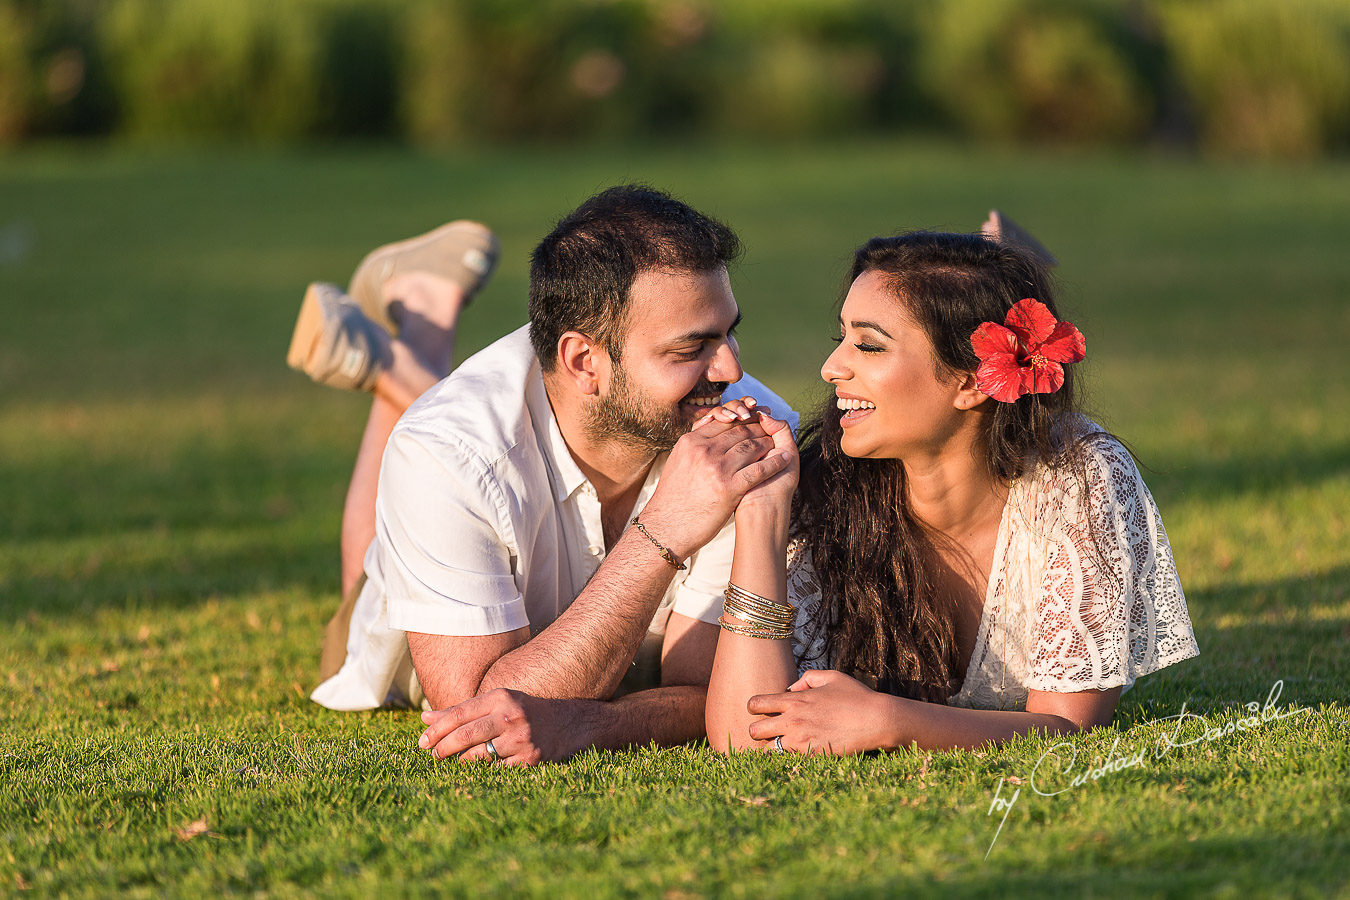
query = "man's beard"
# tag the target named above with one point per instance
(626, 415)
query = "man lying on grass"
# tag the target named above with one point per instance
(543, 565)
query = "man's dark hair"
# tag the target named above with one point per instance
(582, 272)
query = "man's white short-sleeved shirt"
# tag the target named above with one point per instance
(485, 524)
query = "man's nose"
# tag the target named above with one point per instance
(725, 366)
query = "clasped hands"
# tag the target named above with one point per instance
(736, 454)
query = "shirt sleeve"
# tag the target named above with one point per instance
(1109, 605)
(700, 595)
(752, 386)
(444, 542)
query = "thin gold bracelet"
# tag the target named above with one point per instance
(733, 608)
(665, 553)
(768, 609)
(754, 631)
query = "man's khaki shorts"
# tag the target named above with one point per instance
(335, 634)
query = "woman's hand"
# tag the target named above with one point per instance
(774, 494)
(826, 712)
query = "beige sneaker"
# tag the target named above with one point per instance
(463, 252)
(1001, 228)
(334, 343)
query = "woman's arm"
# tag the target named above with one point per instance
(829, 712)
(745, 666)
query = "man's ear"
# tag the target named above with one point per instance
(968, 395)
(582, 362)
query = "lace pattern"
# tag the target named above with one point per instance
(1062, 612)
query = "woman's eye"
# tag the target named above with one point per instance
(868, 348)
(838, 339)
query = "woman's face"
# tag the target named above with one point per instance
(884, 376)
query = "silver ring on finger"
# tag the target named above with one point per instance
(778, 745)
(492, 751)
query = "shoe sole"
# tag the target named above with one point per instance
(1013, 233)
(308, 328)
(369, 277)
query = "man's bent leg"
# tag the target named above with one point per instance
(425, 283)
(358, 512)
(334, 652)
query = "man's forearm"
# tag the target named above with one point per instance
(666, 716)
(586, 650)
(525, 730)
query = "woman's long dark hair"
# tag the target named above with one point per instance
(885, 618)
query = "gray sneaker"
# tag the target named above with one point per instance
(1005, 230)
(334, 343)
(462, 252)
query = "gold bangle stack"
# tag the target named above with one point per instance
(763, 617)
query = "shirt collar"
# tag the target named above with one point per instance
(567, 475)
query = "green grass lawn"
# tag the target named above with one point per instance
(171, 494)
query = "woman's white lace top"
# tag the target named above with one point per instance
(1059, 614)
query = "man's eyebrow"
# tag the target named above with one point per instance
(709, 335)
(872, 326)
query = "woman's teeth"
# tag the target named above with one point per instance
(854, 404)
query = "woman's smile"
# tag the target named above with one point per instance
(855, 409)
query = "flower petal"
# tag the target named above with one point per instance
(991, 339)
(1031, 320)
(1045, 378)
(1066, 344)
(1001, 377)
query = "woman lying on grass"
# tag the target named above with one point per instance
(967, 557)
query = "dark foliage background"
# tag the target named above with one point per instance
(1252, 78)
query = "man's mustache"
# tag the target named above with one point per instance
(708, 389)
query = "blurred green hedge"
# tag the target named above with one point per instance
(1265, 78)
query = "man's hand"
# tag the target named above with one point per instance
(708, 472)
(524, 730)
(774, 493)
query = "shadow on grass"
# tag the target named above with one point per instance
(1250, 637)
(1202, 477)
(1283, 599)
(196, 484)
(169, 571)
(1305, 863)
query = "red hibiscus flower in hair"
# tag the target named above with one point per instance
(1027, 353)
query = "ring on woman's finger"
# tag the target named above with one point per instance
(778, 745)
(492, 751)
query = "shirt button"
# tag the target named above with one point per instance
(595, 551)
